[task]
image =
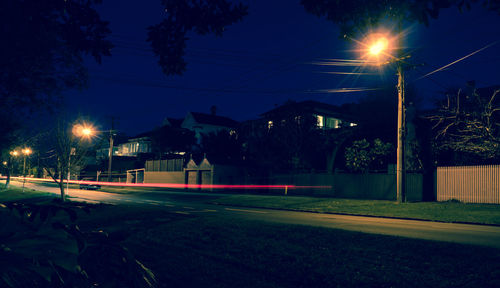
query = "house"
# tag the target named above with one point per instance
(135, 146)
(201, 123)
(325, 115)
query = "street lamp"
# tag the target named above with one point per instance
(377, 47)
(26, 152)
(82, 130)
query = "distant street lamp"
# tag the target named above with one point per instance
(377, 48)
(26, 152)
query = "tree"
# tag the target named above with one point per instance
(43, 43)
(361, 156)
(359, 15)
(292, 142)
(222, 147)
(64, 150)
(469, 123)
(168, 139)
(168, 38)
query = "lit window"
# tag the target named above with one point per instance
(320, 121)
(332, 123)
(269, 124)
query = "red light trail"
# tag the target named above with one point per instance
(177, 185)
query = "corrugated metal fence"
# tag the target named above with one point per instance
(164, 165)
(471, 184)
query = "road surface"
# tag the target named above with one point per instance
(204, 204)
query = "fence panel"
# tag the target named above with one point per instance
(470, 184)
(164, 165)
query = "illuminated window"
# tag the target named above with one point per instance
(332, 123)
(320, 121)
(269, 124)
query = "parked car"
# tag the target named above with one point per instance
(89, 186)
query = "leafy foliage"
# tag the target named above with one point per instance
(222, 147)
(359, 15)
(469, 123)
(167, 139)
(361, 156)
(44, 41)
(43, 44)
(292, 142)
(41, 246)
(168, 38)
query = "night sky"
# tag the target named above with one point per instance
(266, 60)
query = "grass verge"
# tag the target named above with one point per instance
(218, 251)
(435, 211)
(14, 193)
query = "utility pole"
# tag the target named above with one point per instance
(111, 148)
(400, 164)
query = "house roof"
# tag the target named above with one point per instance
(309, 106)
(173, 122)
(216, 120)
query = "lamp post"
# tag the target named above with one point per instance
(82, 131)
(26, 152)
(110, 154)
(9, 167)
(377, 47)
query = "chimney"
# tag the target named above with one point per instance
(213, 110)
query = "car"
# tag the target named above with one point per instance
(89, 186)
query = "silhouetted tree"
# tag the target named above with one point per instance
(354, 16)
(62, 149)
(222, 147)
(362, 156)
(168, 139)
(43, 42)
(469, 124)
(292, 143)
(168, 38)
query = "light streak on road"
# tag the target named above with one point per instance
(179, 186)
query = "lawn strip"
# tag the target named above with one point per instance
(14, 193)
(433, 211)
(218, 251)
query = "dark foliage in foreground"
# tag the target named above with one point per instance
(41, 246)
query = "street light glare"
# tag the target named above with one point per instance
(27, 151)
(83, 130)
(378, 46)
(86, 131)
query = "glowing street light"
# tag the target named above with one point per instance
(377, 48)
(87, 132)
(26, 152)
(81, 130)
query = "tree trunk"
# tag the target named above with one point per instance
(61, 183)
(61, 187)
(7, 182)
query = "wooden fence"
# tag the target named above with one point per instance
(471, 184)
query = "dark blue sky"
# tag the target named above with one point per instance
(265, 60)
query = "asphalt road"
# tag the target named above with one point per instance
(203, 204)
